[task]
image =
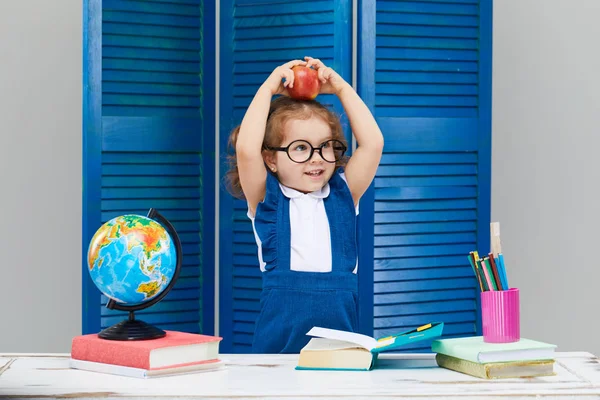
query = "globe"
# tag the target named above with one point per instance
(131, 259)
(134, 261)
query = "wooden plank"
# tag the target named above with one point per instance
(273, 376)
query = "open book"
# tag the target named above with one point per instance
(339, 350)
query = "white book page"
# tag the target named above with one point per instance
(363, 341)
(322, 344)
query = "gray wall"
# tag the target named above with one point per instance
(40, 174)
(545, 167)
(546, 112)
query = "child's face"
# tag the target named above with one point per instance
(313, 174)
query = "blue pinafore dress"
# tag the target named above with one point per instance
(292, 302)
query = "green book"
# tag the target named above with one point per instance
(476, 350)
(501, 370)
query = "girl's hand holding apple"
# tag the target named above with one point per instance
(282, 79)
(331, 81)
(304, 80)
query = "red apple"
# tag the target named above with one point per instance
(306, 83)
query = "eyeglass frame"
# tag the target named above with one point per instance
(319, 149)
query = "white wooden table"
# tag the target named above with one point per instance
(37, 376)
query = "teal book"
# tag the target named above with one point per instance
(331, 349)
(476, 350)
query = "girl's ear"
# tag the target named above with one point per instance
(269, 158)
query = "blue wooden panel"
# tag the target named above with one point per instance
(426, 19)
(427, 80)
(146, 63)
(485, 131)
(411, 240)
(92, 160)
(256, 37)
(149, 110)
(261, 10)
(282, 21)
(149, 148)
(425, 77)
(427, 43)
(149, 88)
(453, 204)
(422, 250)
(226, 202)
(317, 30)
(152, 181)
(150, 169)
(425, 227)
(415, 65)
(166, 305)
(428, 158)
(424, 8)
(125, 77)
(174, 215)
(209, 159)
(143, 42)
(423, 297)
(424, 192)
(429, 134)
(401, 53)
(426, 170)
(159, 319)
(425, 101)
(151, 134)
(150, 19)
(289, 44)
(388, 316)
(113, 52)
(283, 55)
(366, 89)
(426, 31)
(109, 193)
(116, 28)
(151, 7)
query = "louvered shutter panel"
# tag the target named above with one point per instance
(151, 139)
(257, 36)
(427, 78)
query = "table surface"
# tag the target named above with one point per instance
(401, 376)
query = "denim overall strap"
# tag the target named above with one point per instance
(341, 214)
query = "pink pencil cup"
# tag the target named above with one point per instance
(500, 316)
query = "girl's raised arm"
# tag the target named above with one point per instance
(363, 164)
(248, 148)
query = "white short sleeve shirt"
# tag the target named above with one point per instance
(310, 237)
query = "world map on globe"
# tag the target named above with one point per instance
(131, 259)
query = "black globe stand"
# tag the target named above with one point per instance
(135, 329)
(132, 329)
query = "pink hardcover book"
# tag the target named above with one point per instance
(176, 348)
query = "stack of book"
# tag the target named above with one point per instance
(472, 356)
(331, 349)
(175, 353)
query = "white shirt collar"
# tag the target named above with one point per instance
(293, 193)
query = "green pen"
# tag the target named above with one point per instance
(471, 258)
(490, 273)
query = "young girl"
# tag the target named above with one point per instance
(303, 200)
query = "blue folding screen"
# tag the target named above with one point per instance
(149, 142)
(257, 36)
(424, 69)
(425, 72)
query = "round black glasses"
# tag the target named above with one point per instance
(300, 151)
